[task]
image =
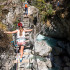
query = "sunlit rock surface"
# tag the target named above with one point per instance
(42, 48)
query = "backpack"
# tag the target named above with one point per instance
(26, 6)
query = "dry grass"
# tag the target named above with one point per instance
(48, 23)
(4, 38)
(3, 27)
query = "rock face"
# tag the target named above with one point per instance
(4, 41)
(16, 1)
(42, 48)
(61, 56)
(7, 52)
(14, 9)
(43, 52)
(6, 59)
(32, 10)
(42, 65)
(58, 25)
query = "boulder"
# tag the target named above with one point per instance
(42, 48)
(42, 65)
(49, 64)
(32, 10)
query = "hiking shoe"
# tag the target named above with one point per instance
(21, 59)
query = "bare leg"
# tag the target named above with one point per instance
(21, 51)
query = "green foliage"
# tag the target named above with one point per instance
(41, 1)
(23, 0)
(2, 0)
(15, 24)
(44, 8)
(3, 26)
(1, 6)
(49, 9)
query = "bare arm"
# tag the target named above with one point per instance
(11, 32)
(28, 30)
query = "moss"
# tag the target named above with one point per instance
(3, 27)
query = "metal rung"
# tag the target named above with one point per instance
(23, 61)
(26, 22)
(25, 53)
(26, 27)
(27, 37)
(27, 46)
(16, 48)
(26, 17)
(27, 40)
(26, 33)
(25, 69)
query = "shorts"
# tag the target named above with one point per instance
(21, 41)
(26, 10)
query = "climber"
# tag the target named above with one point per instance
(26, 8)
(20, 38)
(58, 4)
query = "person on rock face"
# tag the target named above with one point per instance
(58, 4)
(20, 37)
(26, 8)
